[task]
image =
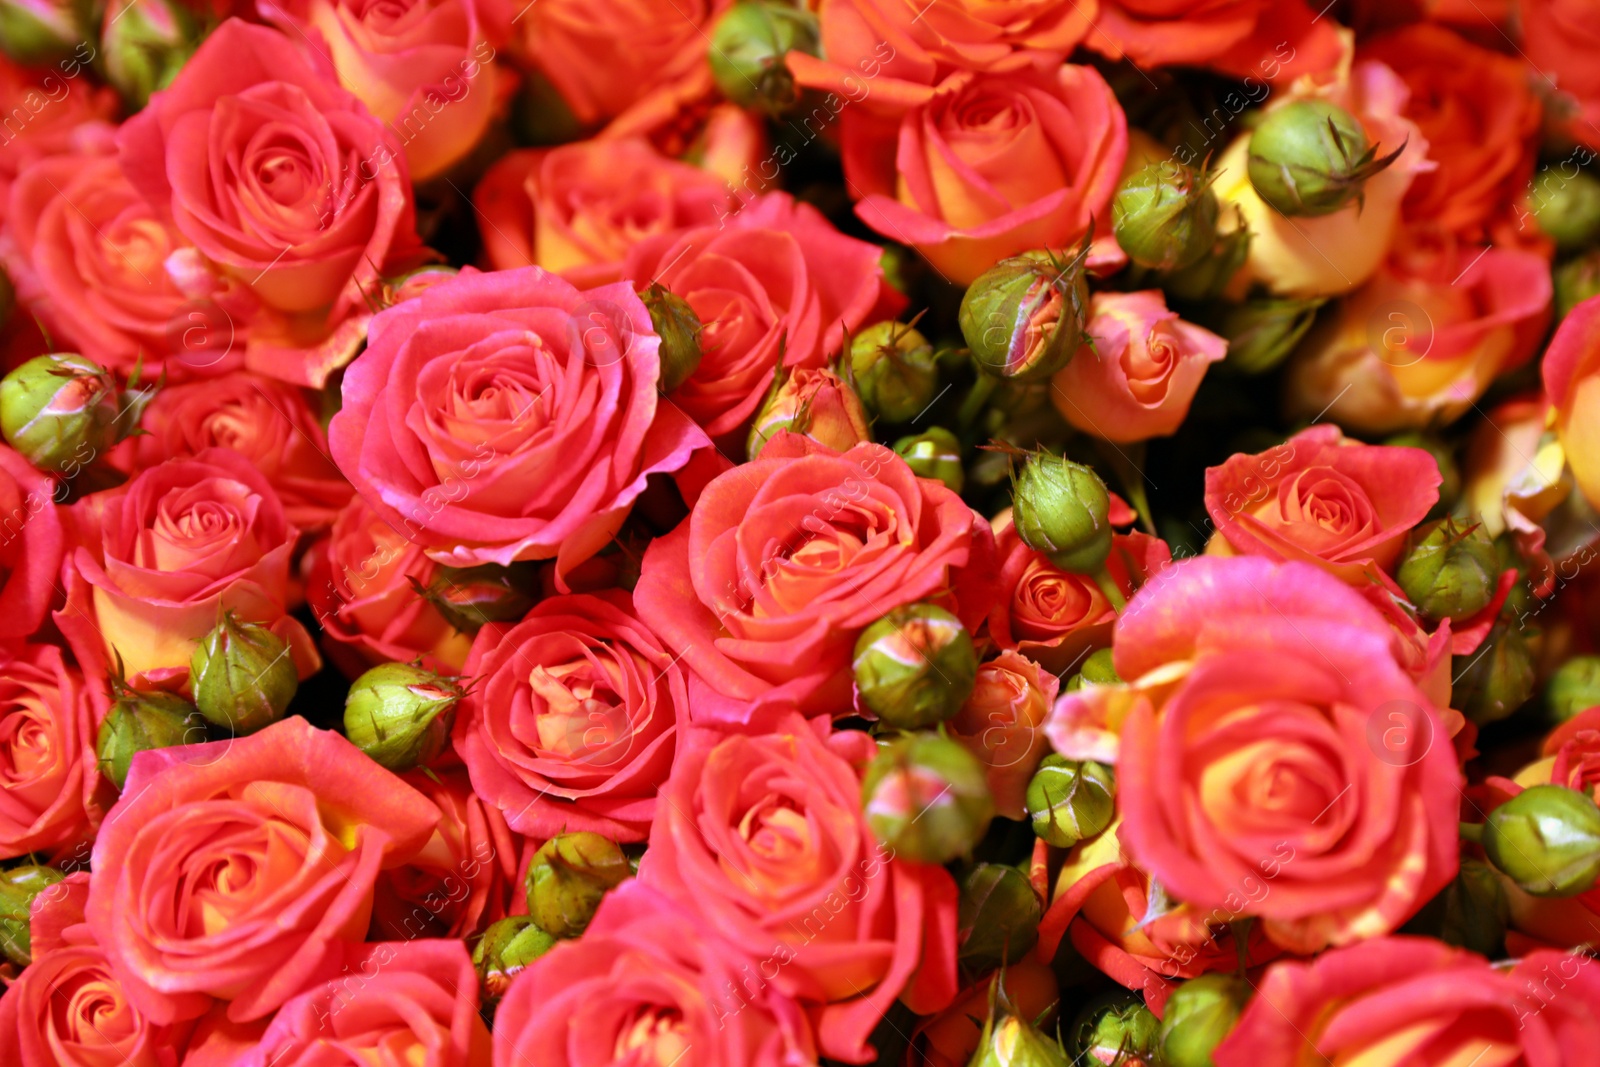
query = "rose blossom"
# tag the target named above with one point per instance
(1269, 39)
(1139, 374)
(766, 838)
(774, 276)
(1571, 370)
(764, 589)
(578, 209)
(951, 1037)
(649, 982)
(236, 869)
(51, 112)
(1258, 771)
(1000, 724)
(1559, 38)
(508, 416)
(575, 719)
(31, 545)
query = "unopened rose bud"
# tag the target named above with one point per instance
(1207, 277)
(414, 283)
(1261, 333)
(242, 676)
(139, 722)
(401, 714)
(1198, 1016)
(18, 887)
(1025, 317)
(1061, 508)
(679, 329)
(1476, 910)
(145, 43)
(1312, 157)
(1116, 1028)
(894, 370)
(62, 411)
(1069, 800)
(43, 31)
(1546, 839)
(815, 402)
(997, 920)
(1497, 679)
(1012, 1041)
(1165, 216)
(1450, 571)
(927, 798)
(915, 667)
(470, 598)
(569, 876)
(505, 949)
(1097, 669)
(748, 47)
(1567, 208)
(934, 453)
(1574, 688)
(1575, 281)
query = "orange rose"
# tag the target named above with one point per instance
(1268, 39)
(1559, 40)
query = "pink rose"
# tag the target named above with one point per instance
(31, 545)
(1001, 723)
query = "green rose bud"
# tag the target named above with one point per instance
(1069, 800)
(1199, 1015)
(915, 667)
(1098, 668)
(1476, 910)
(893, 368)
(1114, 1028)
(1449, 470)
(62, 411)
(18, 887)
(927, 798)
(1208, 276)
(1546, 839)
(1025, 317)
(471, 597)
(679, 328)
(1165, 216)
(1575, 281)
(144, 44)
(242, 676)
(748, 47)
(400, 714)
(998, 917)
(1311, 157)
(1262, 333)
(569, 876)
(1061, 508)
(1009, 1040)
(814, 402)
(934, 453)
(139, 722)
(505, 949)
(1574, 688)
(1450, 571)
(1497, 679)
(1567, 208)
(44, 31)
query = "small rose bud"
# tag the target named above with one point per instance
(139, 722)
(44, 31)
(1312, 157)
(1116, 1028)
(915, 667)
(1025, 317)
(748, 46)
(679, 329)
(997, 920)
(569, 876)
(811, 401)
(1476, 910)
(934, 453)
(1097, 669)
(505, 949)
(242, 676)
(1450, 571)
(18, 887)
(1009, 1040)
(1567, 208)
(1207, 277)
(1262, 333)
(927, 798)
(145, 43)
(1198, 1016)
(1165, 216)
(1061, 508)
(62, 411)
(401, 714)
(1574, 688)
(1575, 281)
(1497, 679)
(1546, 839)
(894, 370)
(1069, 800)
(470, 598)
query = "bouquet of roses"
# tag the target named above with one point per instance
(766, 533)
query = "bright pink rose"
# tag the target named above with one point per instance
(1137, 378)
(765, 837)
(508, 416)
(1001, 723)
(1275, 760)
(31, 545)
(775, 276)
(239, 870)
(1322, 498)
(1264, 39)
(575, 718)
(412, 1003)
(764, 589)
(652, 982)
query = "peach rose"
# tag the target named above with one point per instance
(1141, 371)
(1001, 724)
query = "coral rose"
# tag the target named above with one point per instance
(31, 545)
(50, 112)
(1001, 722)
(1269, 39)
